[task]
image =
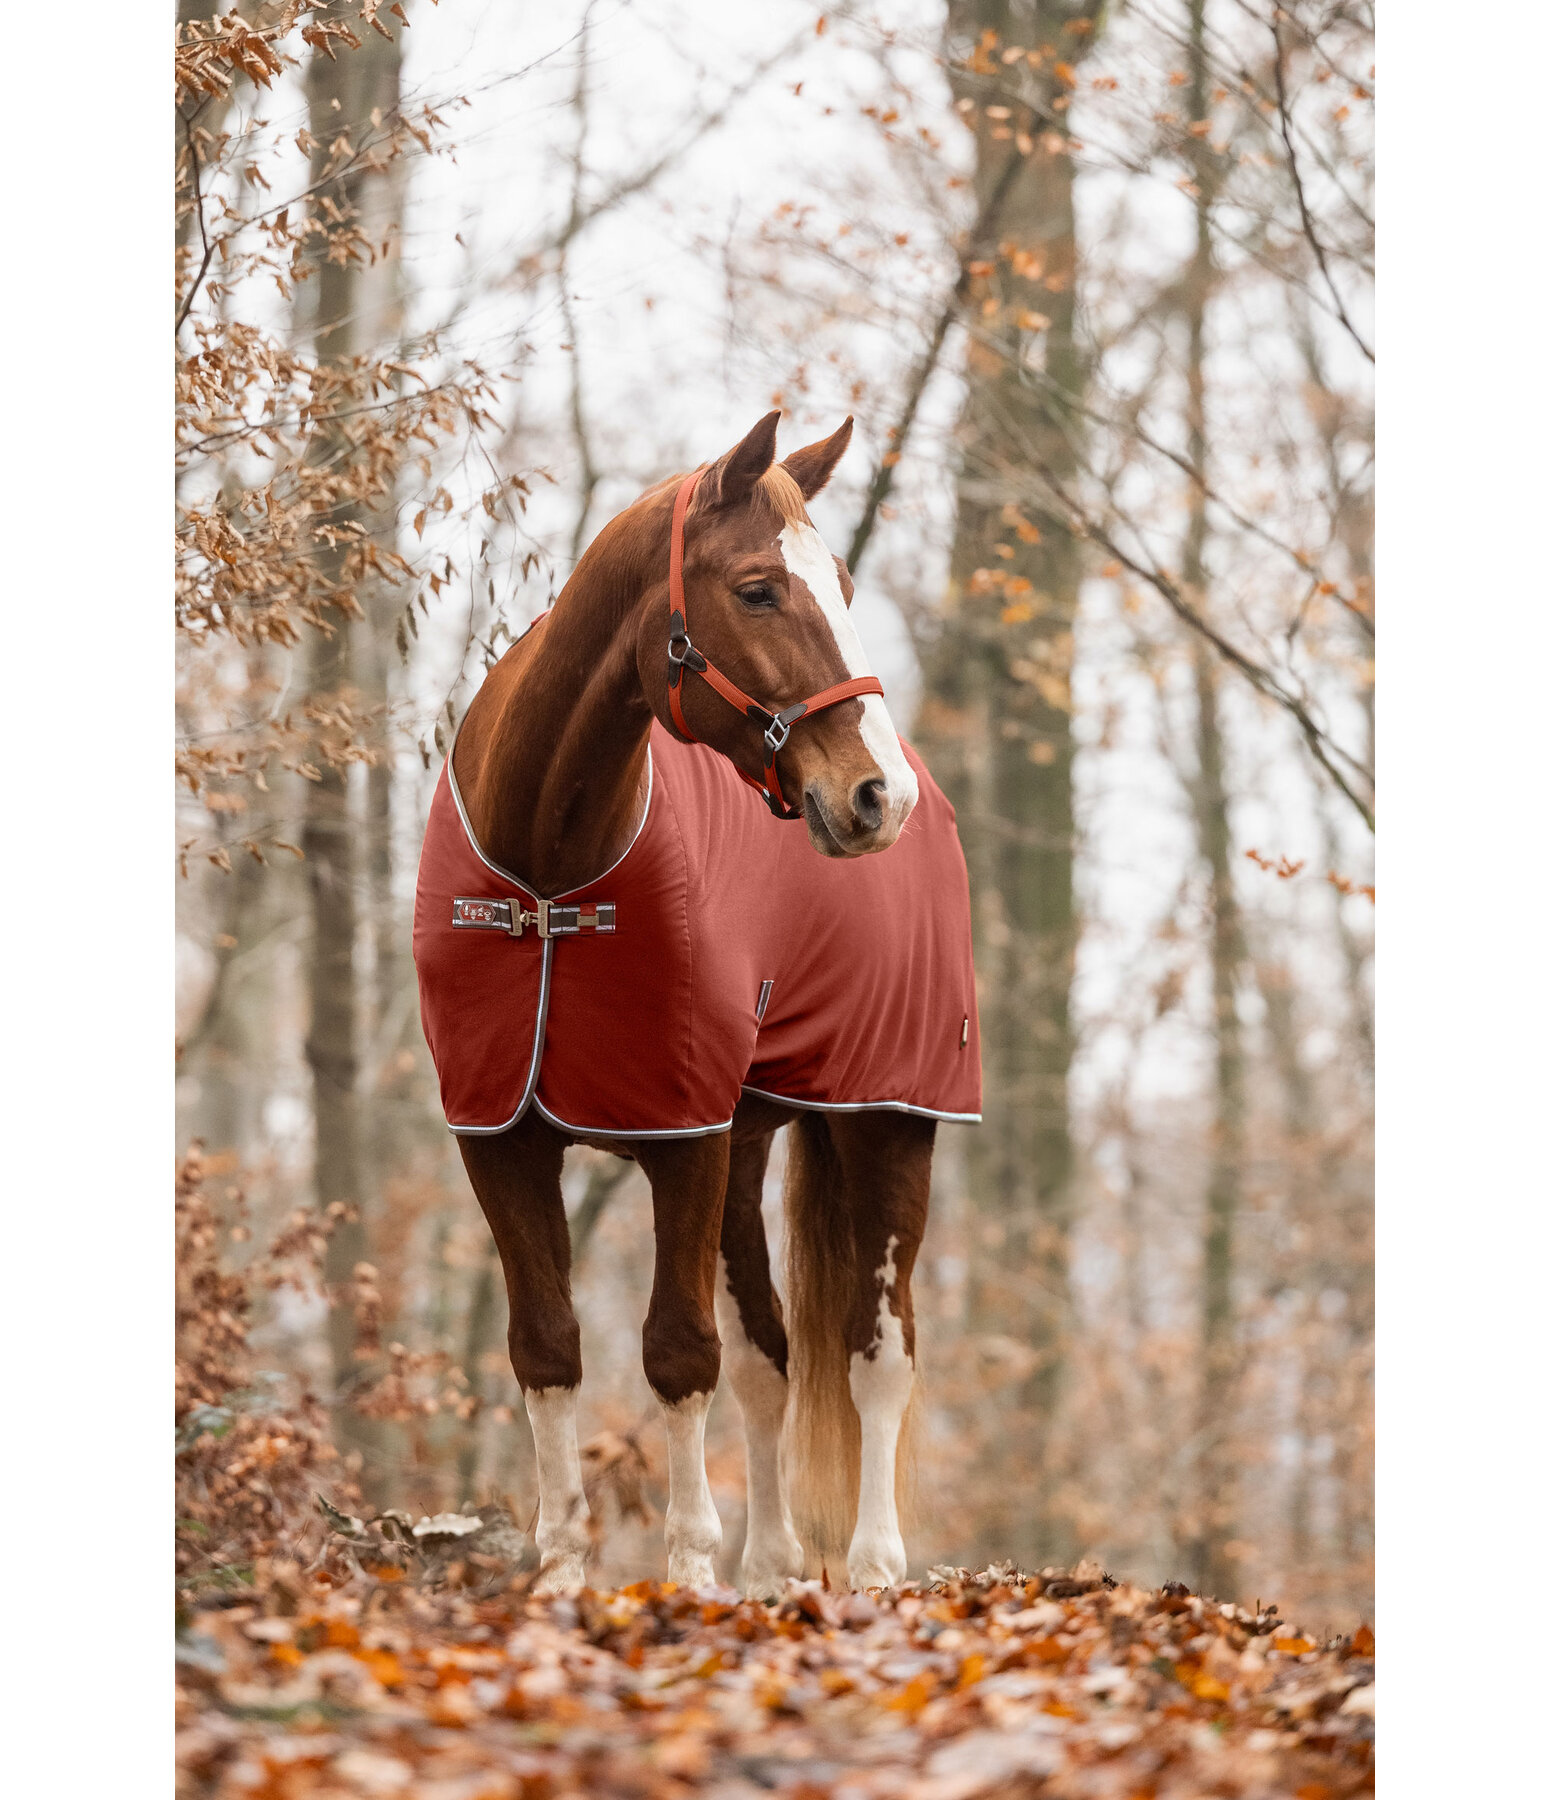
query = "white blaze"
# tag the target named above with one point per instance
(807, 557)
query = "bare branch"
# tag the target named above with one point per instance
(628, 186)
(1196, 479)
(883, 476)
(1302, 202)
(578, 415)
(204, 236)
(1320, 745)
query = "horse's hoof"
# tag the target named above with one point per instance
(872, 1581)
(876, 1565)
(766, 1572)
(766, 1584)
(564, 1575)
(691, 1569)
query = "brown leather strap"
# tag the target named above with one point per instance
(777, 724)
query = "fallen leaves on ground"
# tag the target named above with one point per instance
(362, 1680)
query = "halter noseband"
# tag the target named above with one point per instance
(682, 655)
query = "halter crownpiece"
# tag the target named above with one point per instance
(682, 656)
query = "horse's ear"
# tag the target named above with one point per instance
(731, 478)
(812, 467)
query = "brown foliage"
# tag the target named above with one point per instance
(293, 467)
(249, 1454)
(359, 1681)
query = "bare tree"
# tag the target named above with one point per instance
(997, 710)
(1215, 1499)
(354, 311)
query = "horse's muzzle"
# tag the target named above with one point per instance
(869, 819)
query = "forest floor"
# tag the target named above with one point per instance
(322, 1656)
(449, 1681)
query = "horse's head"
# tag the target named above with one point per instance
(768, 604)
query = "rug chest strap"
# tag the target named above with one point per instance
(551, 919)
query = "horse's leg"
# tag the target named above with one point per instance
(680, 1349)
(885, 1159)
(753, 1347)
(517, 1179)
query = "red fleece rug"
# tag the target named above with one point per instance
(739, 958)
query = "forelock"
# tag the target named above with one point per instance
(779, 487)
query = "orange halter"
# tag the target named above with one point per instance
(682, 655)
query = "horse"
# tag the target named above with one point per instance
(675, 976)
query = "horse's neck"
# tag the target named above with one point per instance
(551, 760)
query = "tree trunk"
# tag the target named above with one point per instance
(355, 308)
(1219, 1351)
(480, 1336)
(222, 1048)
(379, 327)
(1216, 1497)
(996, 715)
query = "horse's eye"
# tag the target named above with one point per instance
(757, 593)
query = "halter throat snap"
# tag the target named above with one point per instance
(683, 657)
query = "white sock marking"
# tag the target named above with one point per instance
(771, 1551)
(563, 1515)
(693, 1526)
(807, 557)
(880, 1381)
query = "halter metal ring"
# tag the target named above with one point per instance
(776, 734)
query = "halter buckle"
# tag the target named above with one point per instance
(681, 655)
(775, 735)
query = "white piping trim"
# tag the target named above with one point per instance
(851, 1106)
(516, 880)
(533, 1061)
(607, 1131)
(536, 1059)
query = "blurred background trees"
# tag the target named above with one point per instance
(454, 284)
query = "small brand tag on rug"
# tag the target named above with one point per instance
(482, 915)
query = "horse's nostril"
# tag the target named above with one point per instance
(867, 803)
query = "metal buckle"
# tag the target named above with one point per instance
(773, 743)
(567, 921)
(551, 920)
(686, 658)
(556, 921)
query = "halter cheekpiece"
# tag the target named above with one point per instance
(682, 656)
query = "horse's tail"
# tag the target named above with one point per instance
(823, 1433)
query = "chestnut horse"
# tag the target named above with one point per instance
(552, 777)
